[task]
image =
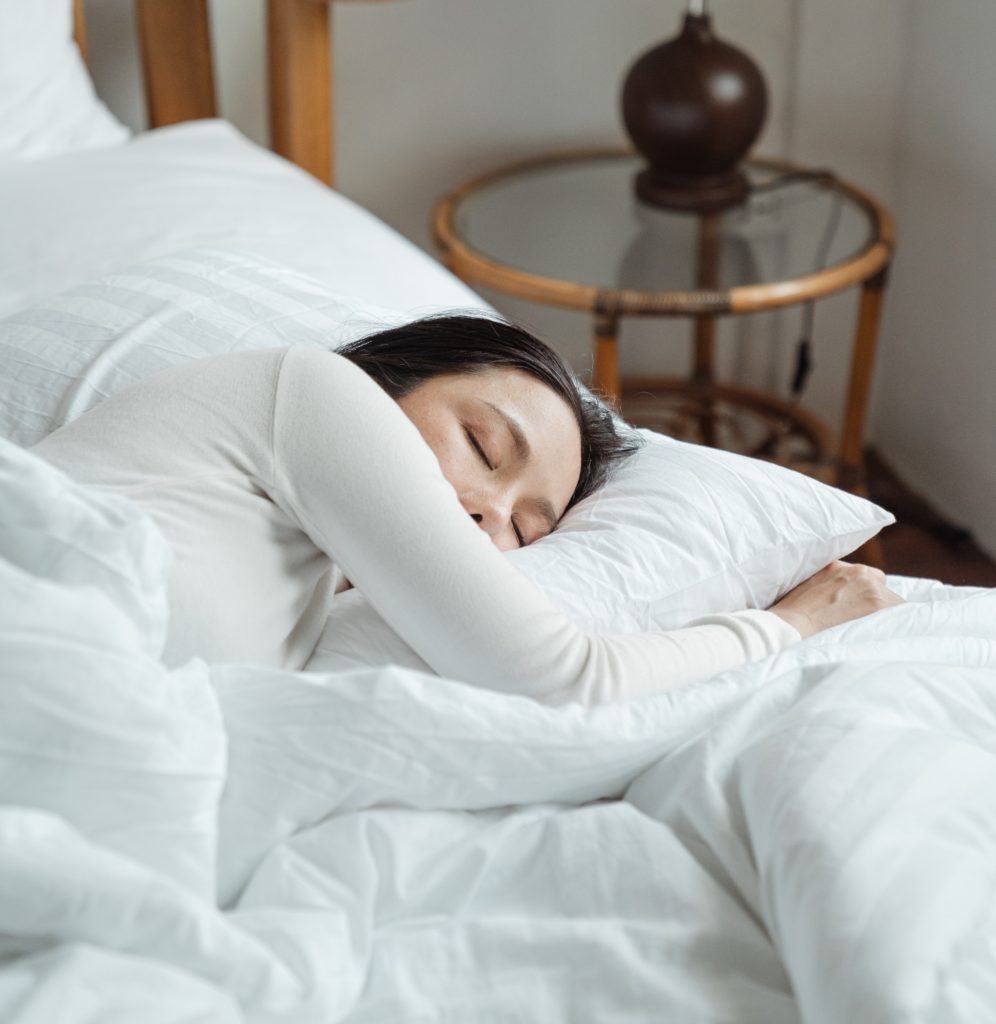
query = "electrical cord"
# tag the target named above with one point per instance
(804, 348)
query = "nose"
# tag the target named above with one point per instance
(489, 511)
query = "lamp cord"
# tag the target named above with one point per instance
(804, 348)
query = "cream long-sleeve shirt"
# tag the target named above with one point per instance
(277, 475)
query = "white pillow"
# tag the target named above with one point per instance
(199, 184)
(680, 531)
(47, 101)
(68, 353)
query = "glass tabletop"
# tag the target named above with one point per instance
(579, 221)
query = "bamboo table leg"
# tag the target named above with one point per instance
(605, 378)
(850, 460)
(702, 378)
(852, 443)
(707, 277)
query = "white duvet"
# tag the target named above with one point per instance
(812, 838)
(809, 838)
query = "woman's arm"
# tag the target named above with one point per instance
(355, 473)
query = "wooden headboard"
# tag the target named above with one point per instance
(178, 69)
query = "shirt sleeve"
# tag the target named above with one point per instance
(354, 472)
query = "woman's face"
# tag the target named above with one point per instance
(508, 444)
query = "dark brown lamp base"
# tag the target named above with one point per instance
(702, 195)
(693, 106)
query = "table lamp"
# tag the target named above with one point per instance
(694, 106)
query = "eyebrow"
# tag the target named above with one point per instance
(542, 506)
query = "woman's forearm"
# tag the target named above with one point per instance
(359, 479)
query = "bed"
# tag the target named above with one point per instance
(808, 838)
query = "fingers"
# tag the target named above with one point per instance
(839, 592)
(870, 572)
(858, 570)
(881, 596)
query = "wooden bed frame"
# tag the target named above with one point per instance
(178, 69)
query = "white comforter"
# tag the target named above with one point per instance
(809, 838)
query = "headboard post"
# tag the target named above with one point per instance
(178, 70)
(79, 27)
(299, 54)
(175, 41)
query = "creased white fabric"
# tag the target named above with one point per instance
(811, 838)
(74, 218)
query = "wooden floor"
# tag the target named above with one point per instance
(922, 543)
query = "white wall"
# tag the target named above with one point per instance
(935, 418)
(848, 86)
(895, 95)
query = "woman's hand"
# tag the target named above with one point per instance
(838, 593)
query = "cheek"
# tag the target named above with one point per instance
(450, 449)
(433, 428)
(443, 433)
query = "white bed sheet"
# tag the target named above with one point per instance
(812, 837)
(73, 218)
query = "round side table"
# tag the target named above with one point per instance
(566, 230)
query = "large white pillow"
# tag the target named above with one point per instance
(47, 101)
(200, 184)
(66, 354)
(680, 531)
(683, 531)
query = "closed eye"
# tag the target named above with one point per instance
(518, 534)
(476, 445)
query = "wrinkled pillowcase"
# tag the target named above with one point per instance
(678, 532)
(67, 353)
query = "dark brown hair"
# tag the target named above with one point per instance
(401, 358)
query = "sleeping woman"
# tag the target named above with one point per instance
(403, 465)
